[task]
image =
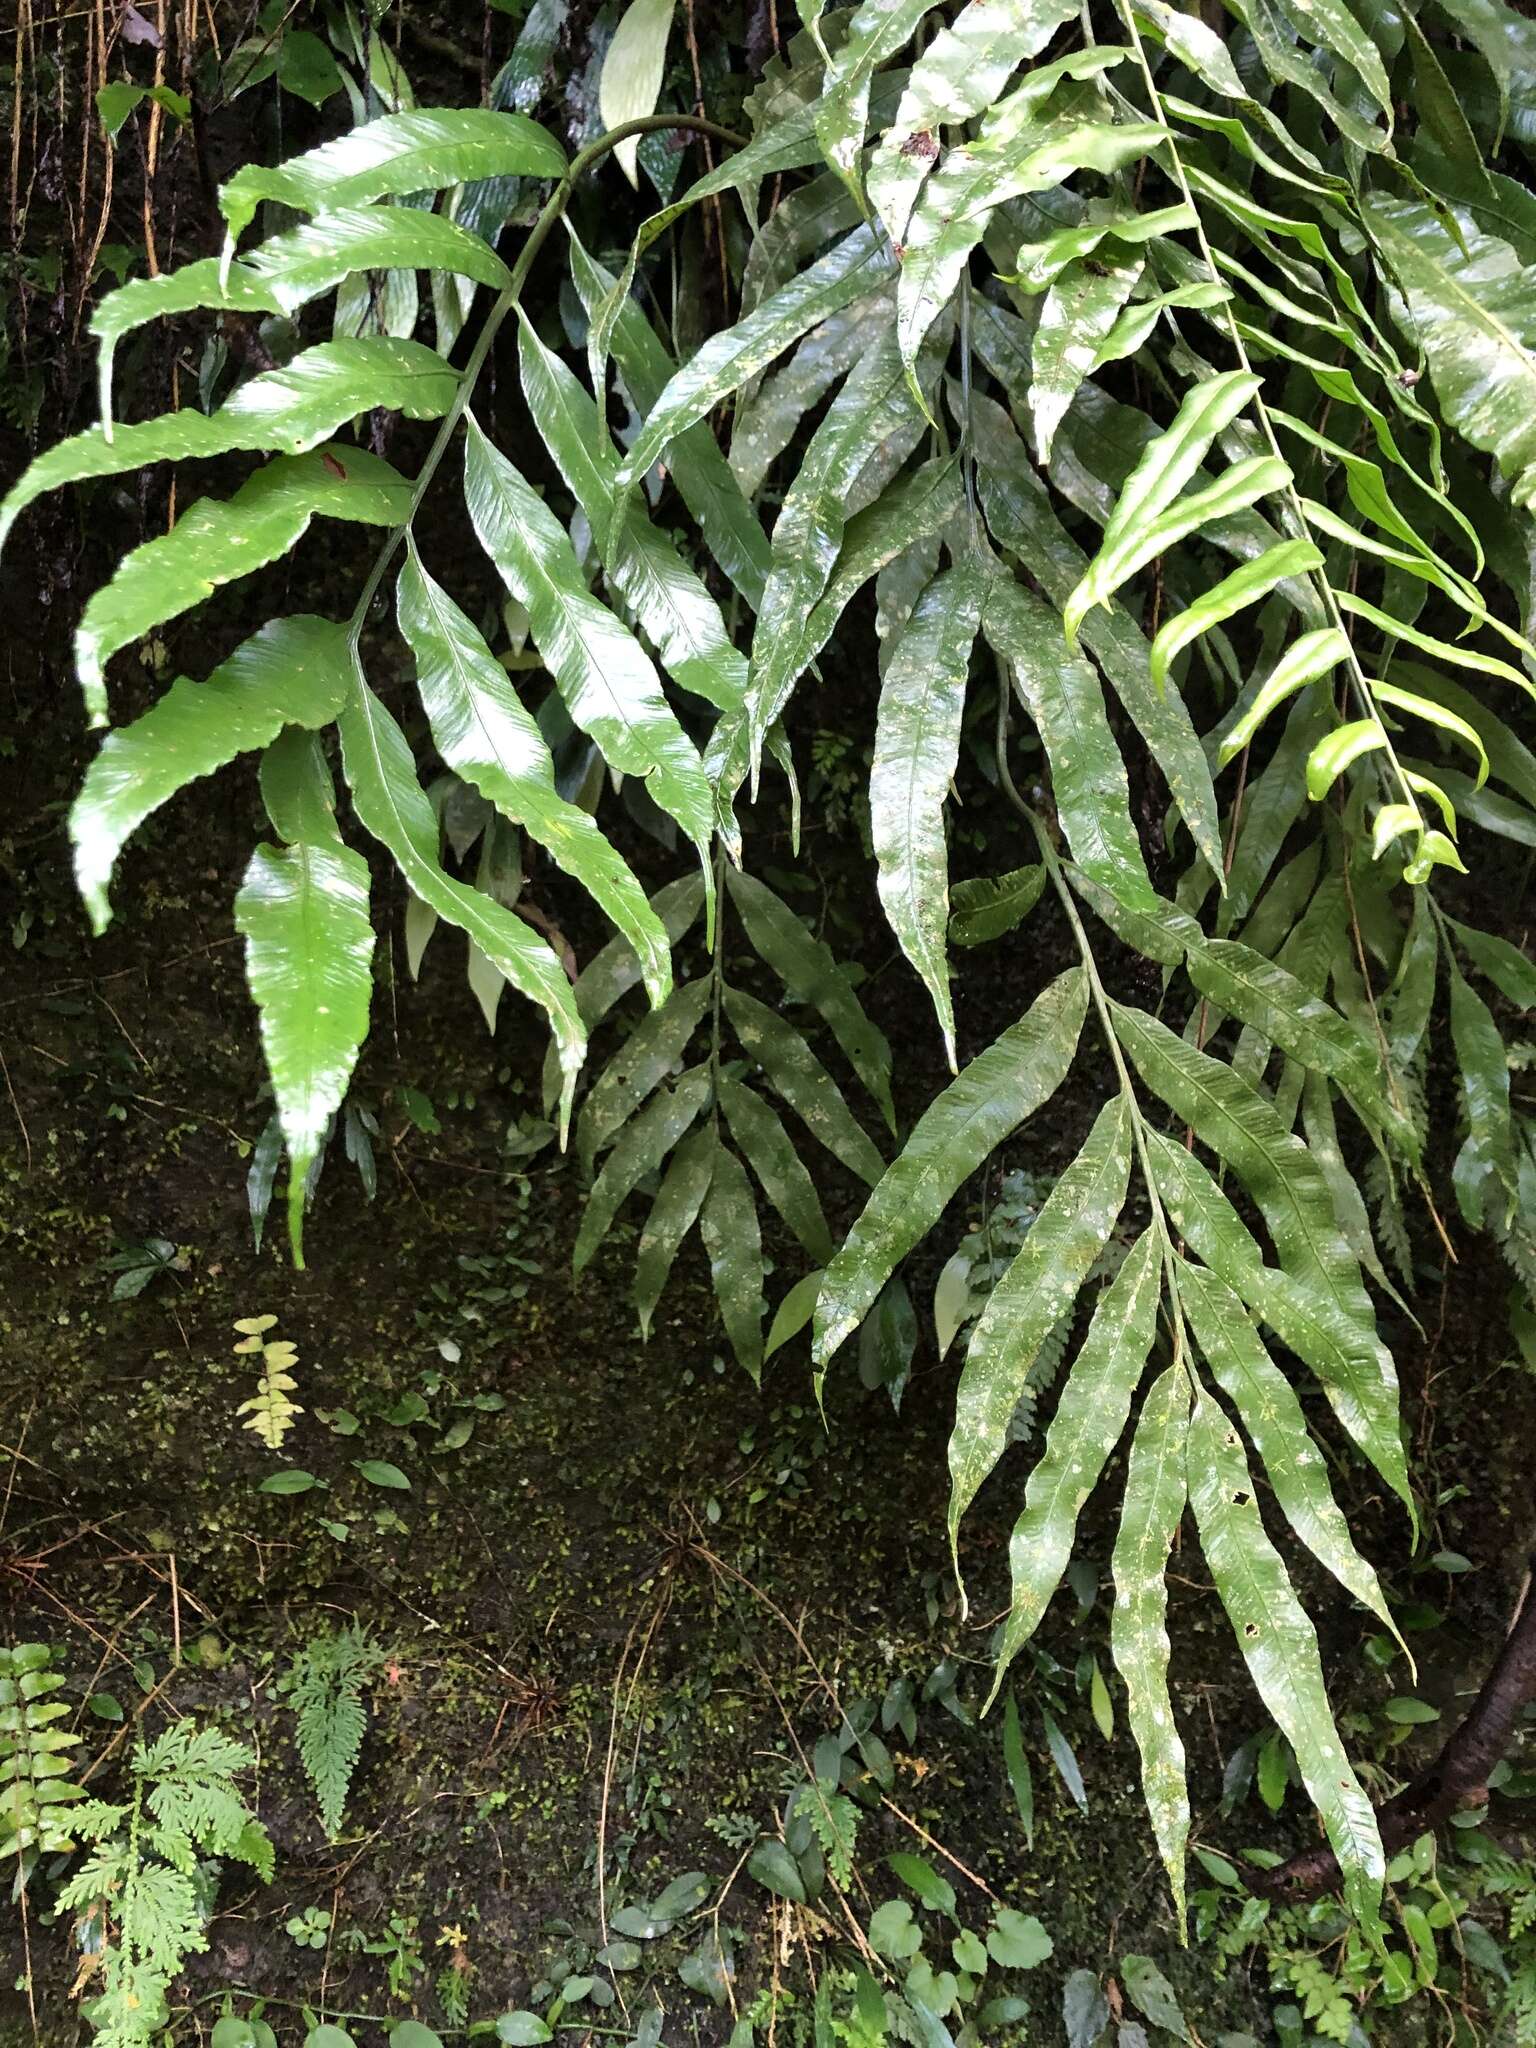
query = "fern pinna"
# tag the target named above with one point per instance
(1177, 404)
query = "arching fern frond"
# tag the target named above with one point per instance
(1175, 402)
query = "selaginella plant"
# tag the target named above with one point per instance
(1176, 394)
(145, 1889)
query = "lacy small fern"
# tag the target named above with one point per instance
(271, 1411)
(324, 1686)
(145, 1889)
(834, 1820)
(1325, 2002)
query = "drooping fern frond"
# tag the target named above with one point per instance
(1174, 395)
(324, 1686)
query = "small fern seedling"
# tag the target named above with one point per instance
(271, 1410)
(325, 1689)
(834, 1820)
(35, 1781)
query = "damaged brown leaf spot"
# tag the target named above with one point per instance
(921, 144)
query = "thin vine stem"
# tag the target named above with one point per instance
(552, 211)
(1358, 679)
(717, 993)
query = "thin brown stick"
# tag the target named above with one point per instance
(938, 1847)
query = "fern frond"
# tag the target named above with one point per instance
(324, 1685)
(146, 1882)
(36, 1789)
(834, 1820)
(271, 1411)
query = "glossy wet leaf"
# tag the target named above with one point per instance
(959, 1130)
(1164, 470)
(391, 804)
(483, 733)
(730, 528)
(216, 541)
(917, 746)
(1023, 519)
(1016, 1762)
(294, 671)
(616, 968)
(1279, 1646)
(673, 1214)
(671, 602)
(1066, 701)
(1269, 997)
(1080, 309)
(1320, 1285)
(1152, 1995)
(1090, 1416)
(766, 1146)
(1138, 1623)
(810, 972)
(992, 907)
(729, 1228)
(630, 81)
(1306, 660)
(1471, 302)
(290, 409)
(1022, 148)
(1245, 586)
(640, 1149)
(303, 912)
(312, 259)
(1038, 1289)
(605, 676)
(958, 73)
(728, 359)
(872, 405)
(1271, 1414)
(417, 151)
(803, 1082)
(639, 1067)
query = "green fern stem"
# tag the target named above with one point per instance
(1058, 882)
(717, 980)
(1359, 681)
(553, 210)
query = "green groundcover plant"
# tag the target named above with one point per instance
(1174, 387)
